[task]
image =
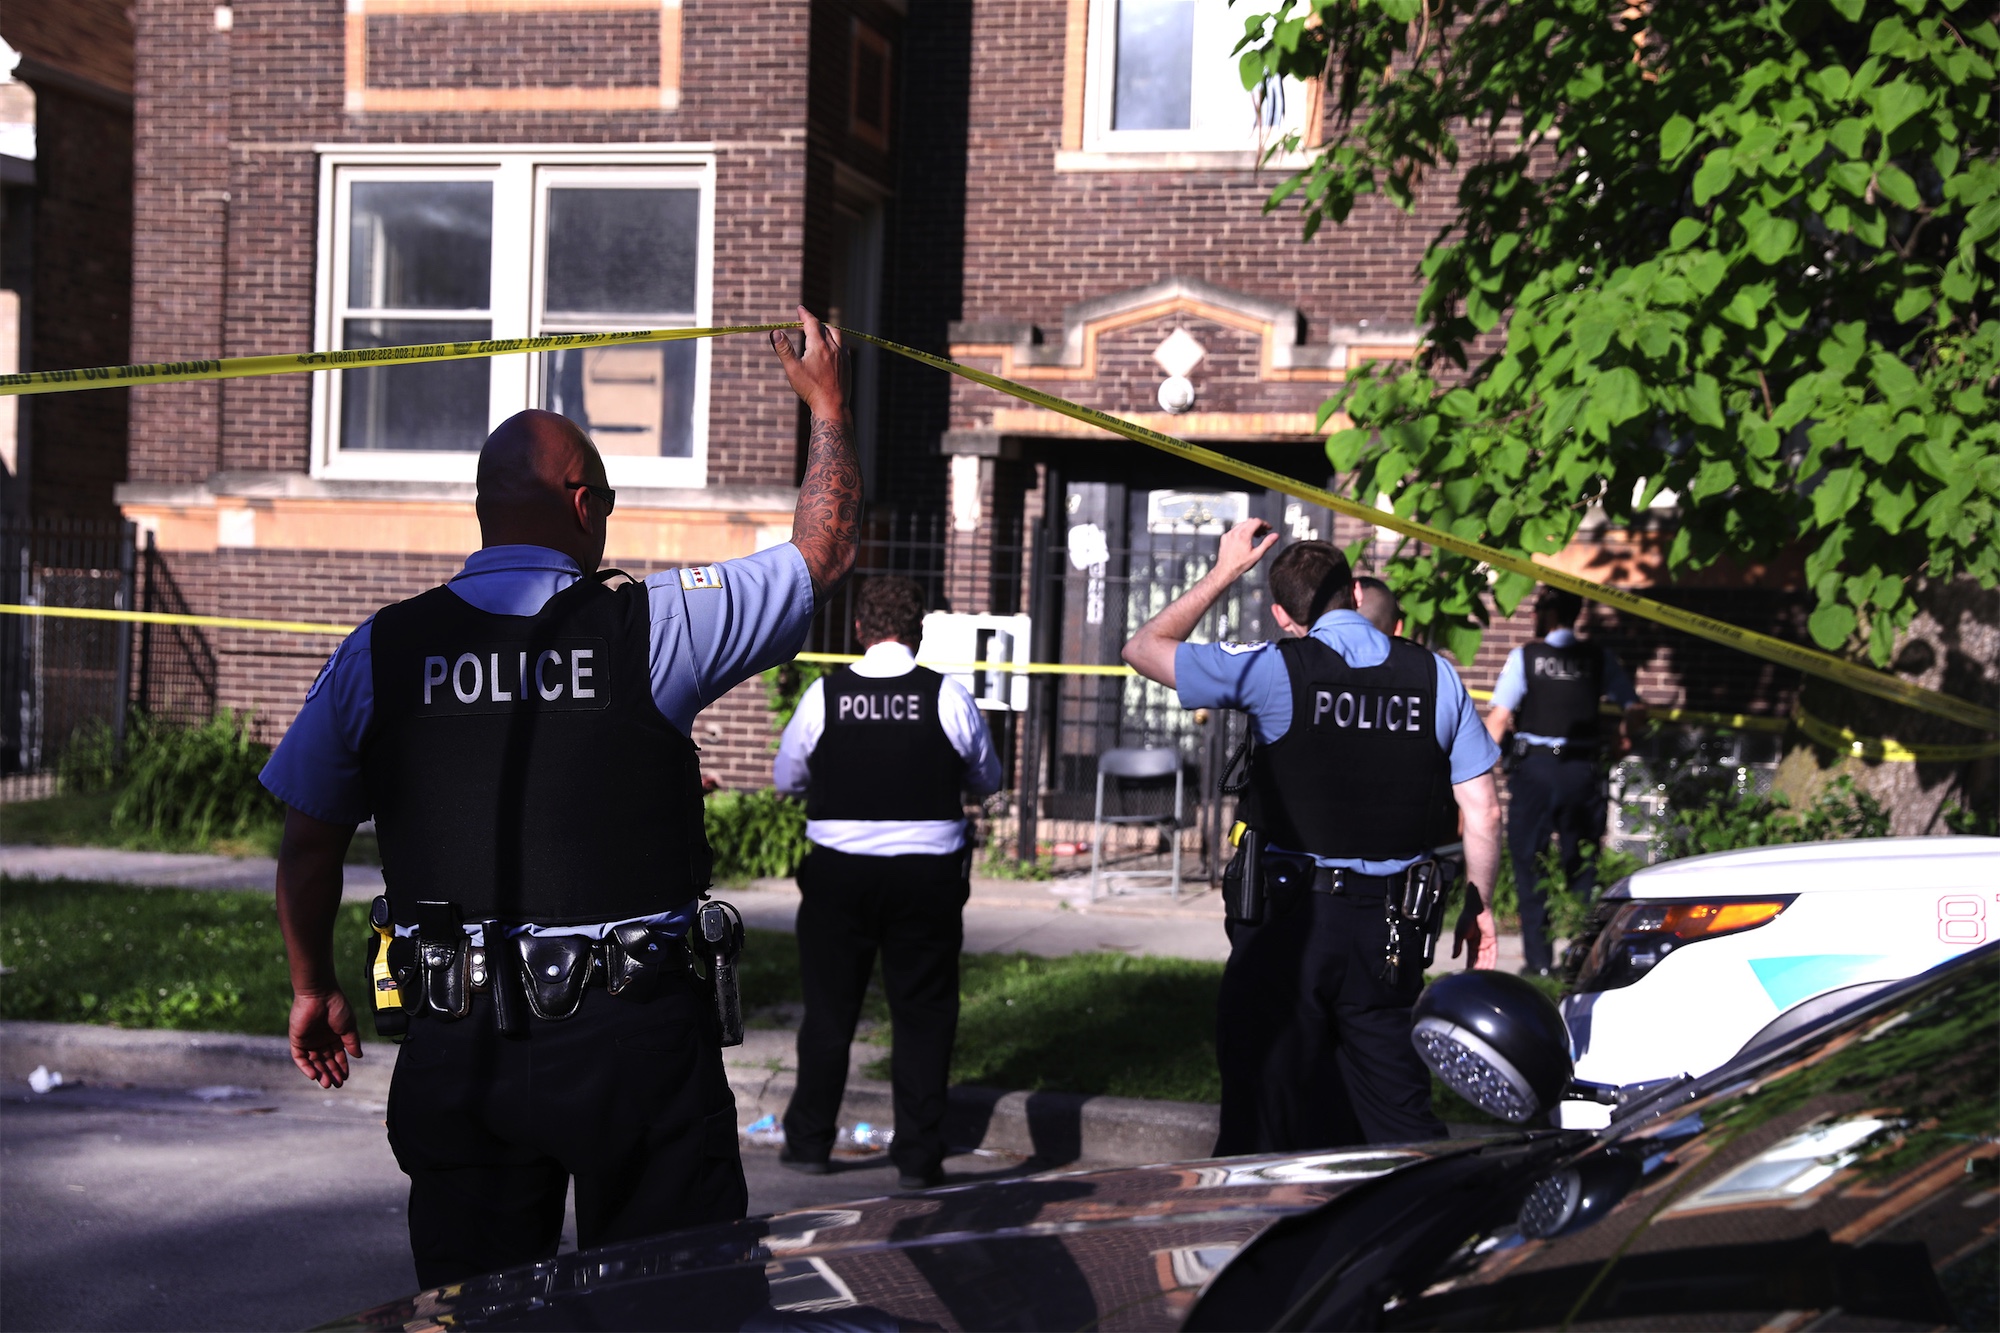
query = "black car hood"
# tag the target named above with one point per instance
(1126, 1248)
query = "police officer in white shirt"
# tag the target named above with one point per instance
(882, 751)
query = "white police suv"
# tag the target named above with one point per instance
(1700, 958)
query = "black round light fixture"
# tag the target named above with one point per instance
(1496, 1041)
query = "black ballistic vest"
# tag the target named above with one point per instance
(519, 767)
(1359, 774)
(884, 753)
(1564, 685)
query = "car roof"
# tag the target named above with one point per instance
(1809, 867)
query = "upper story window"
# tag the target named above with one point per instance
(436, 247)
(1162, 77)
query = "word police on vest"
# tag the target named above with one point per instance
(880, 708)
(1363, 708)
(569, 675)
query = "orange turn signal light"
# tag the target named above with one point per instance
(1692, 921)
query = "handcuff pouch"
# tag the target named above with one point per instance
(556, 968)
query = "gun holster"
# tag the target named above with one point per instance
(1243, 878)
(717, 942)
(1415, 911)
(443, 960)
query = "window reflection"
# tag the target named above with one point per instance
(635, 400)
(1155, 77)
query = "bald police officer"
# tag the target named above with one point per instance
(882, 750)
(1548, 694)
(520, 736)
(1367, 751)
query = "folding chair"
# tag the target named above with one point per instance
(1121, 765)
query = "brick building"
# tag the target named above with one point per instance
(1065, 191)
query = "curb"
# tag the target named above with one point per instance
(1054, 1127)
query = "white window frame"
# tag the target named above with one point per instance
(519, 173)
(1216, 21)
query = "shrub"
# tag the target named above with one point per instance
(189, 785)
(755, 834)
(90, 761)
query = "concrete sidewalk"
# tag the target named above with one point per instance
(1051, 918)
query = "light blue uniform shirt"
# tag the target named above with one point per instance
(713, 628)
(1512, 687)
(1252, 676)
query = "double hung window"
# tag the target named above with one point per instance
(421, 248)
(1163, 77)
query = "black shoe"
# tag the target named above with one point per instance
(920, 1180)
(805, 1166)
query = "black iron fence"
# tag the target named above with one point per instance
(66, 681)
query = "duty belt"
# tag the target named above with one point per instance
(1559, 750)
(547, 973)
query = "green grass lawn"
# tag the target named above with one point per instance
(83, 819)
(177, 958)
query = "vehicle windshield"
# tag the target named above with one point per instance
(1852, 1171)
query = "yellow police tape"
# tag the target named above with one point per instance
(1812, 661)
(1837, 738)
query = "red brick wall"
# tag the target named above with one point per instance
(228, 183)
(1038, 239)
(612, 49)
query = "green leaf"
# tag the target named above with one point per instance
(1835, 494)
(1713, 177)
(1895, 102)
(1618, 394)
(1830, 82)
(1503, 245)
(1461, 641)
(1685, 233)
(1716, 476)
(1832, 625)
(1895, 184)
(1849, 9)
(1850, 136)
(1343, 448)
(1704, 400)
(1676, 135)
(1891, 507)
(1707, 271)
(1911, 304)
(1773, 238)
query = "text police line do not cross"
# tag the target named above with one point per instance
(1367, 709)
(570, 675)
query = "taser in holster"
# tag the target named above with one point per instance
(717, 942)
(1243, 877)
(392, 1018)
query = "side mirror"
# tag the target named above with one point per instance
(1496, 1041)
(1577, 1195)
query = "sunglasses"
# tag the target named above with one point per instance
(604, 494)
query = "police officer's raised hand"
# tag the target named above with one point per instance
(323, 1036)
(818, 374)
(1242, 547)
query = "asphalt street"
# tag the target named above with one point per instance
(129, 1209)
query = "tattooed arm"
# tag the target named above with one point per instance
(826, 526)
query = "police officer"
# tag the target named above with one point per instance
(1377, 605)
(881, 750)
(1362, 744)
(521, 737)
(1548, 693)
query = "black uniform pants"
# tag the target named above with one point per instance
(1314, 1047)
(1564, 797)
(627, 1098)
(908, 908)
